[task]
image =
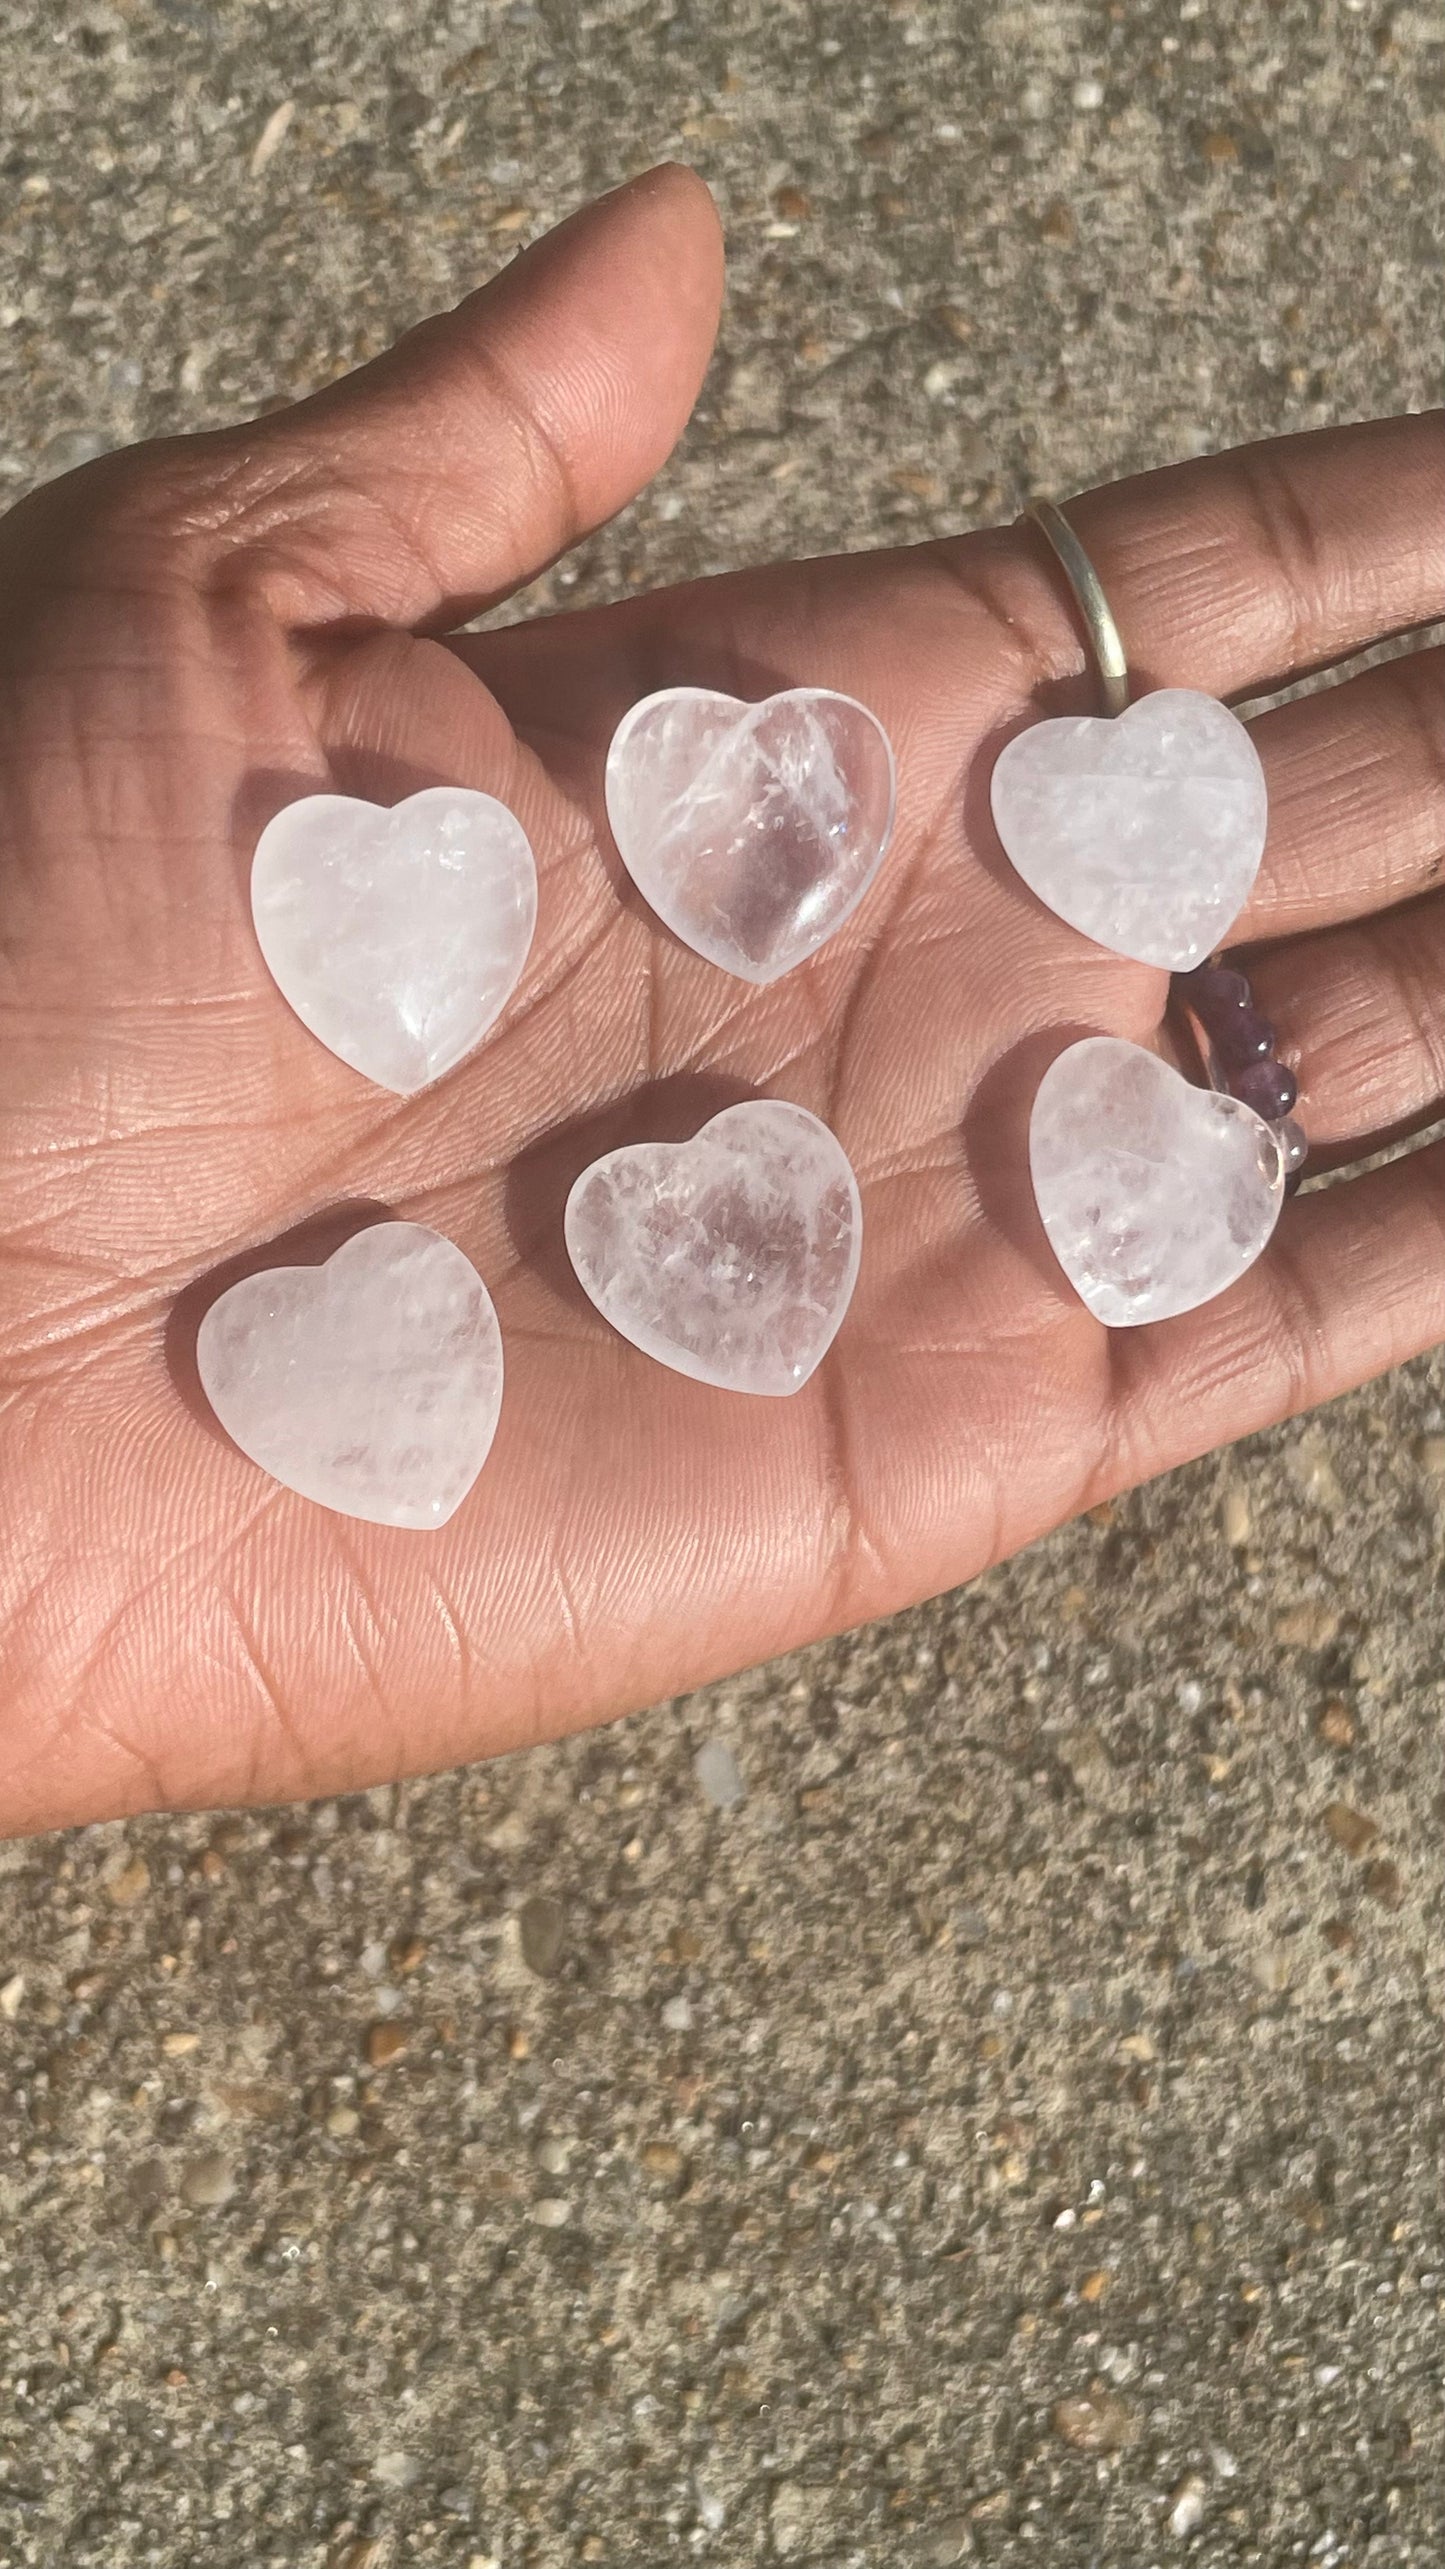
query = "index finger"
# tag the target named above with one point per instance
(1233, 573)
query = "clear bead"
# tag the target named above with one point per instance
(1293, 1143)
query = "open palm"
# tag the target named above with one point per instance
(199, 632)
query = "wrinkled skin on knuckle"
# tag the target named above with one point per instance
(176, 513)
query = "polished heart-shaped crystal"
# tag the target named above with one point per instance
(397, 935)
(1145, 831)
(1155, 1194)
(731, 1257)
(371, 1384)
(753, 830)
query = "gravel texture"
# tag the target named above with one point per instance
(972, 2092)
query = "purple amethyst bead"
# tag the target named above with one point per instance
(1216, 993)
(1266, 1086)
(1244, 1036)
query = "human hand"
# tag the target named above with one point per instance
(200, 631)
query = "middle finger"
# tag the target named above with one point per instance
(1356, 777)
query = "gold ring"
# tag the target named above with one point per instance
(1090, 600)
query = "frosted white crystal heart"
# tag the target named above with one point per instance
(397, 936)
(753, 830)
(1155, 1195)
(731, 1257)
(372, 1384)
(1146, 831)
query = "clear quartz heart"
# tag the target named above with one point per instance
(1155, 1195)
(1146, 831)
(396, 935)
(371, 1384)
(753, 830)
(731, 1257)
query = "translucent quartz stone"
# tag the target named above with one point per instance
(731, 1257)
(397, 936)
(1145, 832)
(1155, 1195)
(371, 1384)
(753, 830)
(1294, 1145)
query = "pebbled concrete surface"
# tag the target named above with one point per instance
(991, 2109)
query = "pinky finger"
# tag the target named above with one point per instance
(1352, 1283)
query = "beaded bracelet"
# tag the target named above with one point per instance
(1241, 1056)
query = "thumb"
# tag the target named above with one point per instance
(492, 437)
